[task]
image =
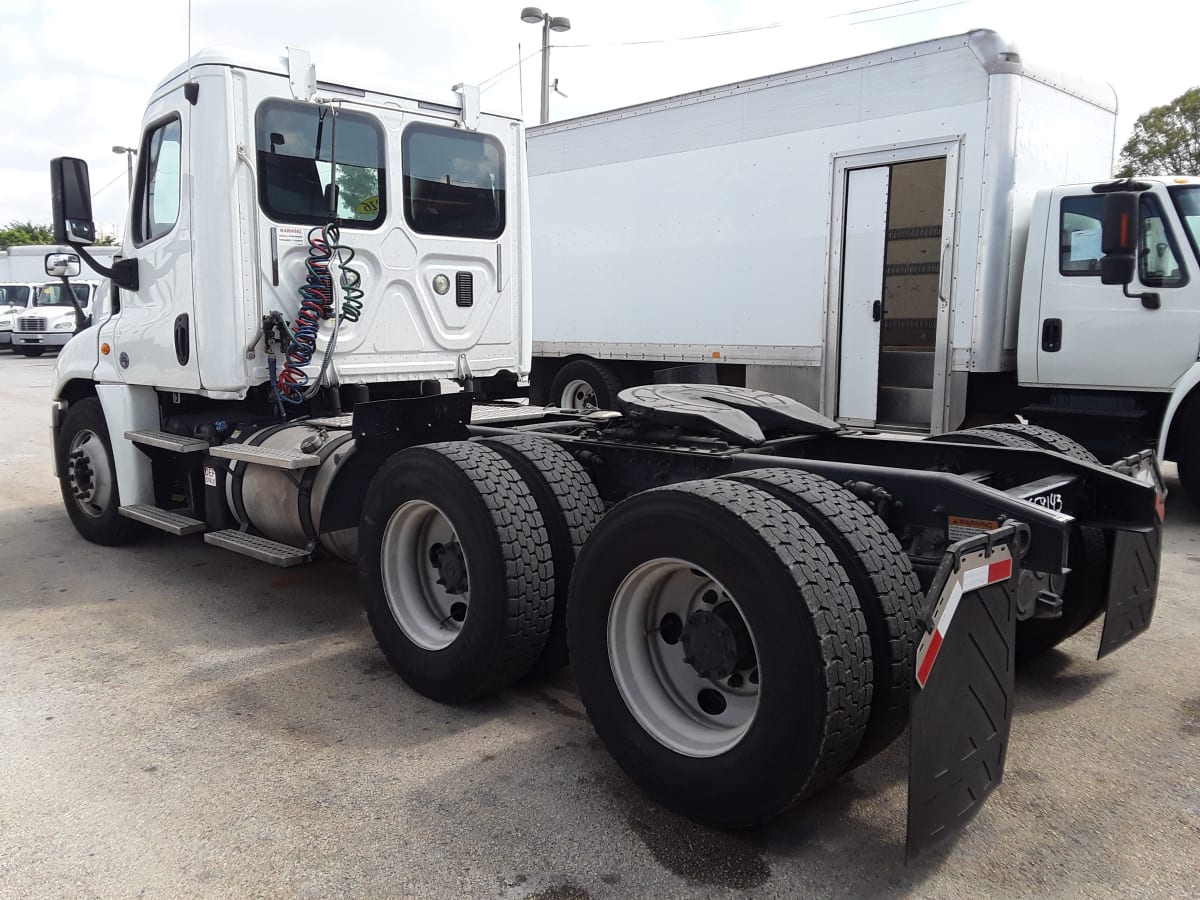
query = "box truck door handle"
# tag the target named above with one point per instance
(876, 311)
(1052, 335)
(943, 271)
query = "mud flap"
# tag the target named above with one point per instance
(962, 709)
(1132, 586)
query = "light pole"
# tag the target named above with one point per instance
(129, 154)
(550, 23)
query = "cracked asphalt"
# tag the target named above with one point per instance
(177, 720)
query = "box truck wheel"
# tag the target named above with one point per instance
(882, 578)
(1084, 591)
(720, 650)
(570, 507)
(585, 384)
(456, 568)
(89, 479)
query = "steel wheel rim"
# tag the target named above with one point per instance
(578, 394)
(429, 615)
(89, 474)
(660, 689)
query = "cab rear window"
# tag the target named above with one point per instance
(453, 182)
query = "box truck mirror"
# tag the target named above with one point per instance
(62, 265)
(71, 200)
(1119, 244)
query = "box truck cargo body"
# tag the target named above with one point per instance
(851, 235)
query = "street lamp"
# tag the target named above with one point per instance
(129, 154)
(533, 15)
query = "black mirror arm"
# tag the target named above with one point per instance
(123, 272)
(80, 318)
(1150, 300)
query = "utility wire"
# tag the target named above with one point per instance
(96, 194)
(911, 12)
(867, 9)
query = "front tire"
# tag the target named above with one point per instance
(456, 569)
(30, 351)
(89, 480)
(719, 650)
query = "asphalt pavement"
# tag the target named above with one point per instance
(177, 720)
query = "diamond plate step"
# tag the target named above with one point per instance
(255, 547)
(162, 519)
(265, 456)
(167, 441)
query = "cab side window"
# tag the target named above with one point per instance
(1158, 258)
(157, 200)
(1079, 241)
(1079, 235)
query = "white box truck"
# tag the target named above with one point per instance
(908, 239)
(766, 604)
(35, 315)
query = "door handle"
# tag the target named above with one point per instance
(183, 346)
(877, 311)
(1052, 335)
(943, 272)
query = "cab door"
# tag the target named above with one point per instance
(153, 335)
(1091, 334)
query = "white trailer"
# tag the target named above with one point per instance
(908, 239)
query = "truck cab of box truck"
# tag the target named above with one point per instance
(14, 298)
(1098, 341)
(50, 319)
(242, 161)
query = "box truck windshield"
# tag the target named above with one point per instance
(52, 295)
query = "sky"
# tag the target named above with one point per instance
(75, 74)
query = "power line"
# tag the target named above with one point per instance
(911, 12)
(95, 194)
(690, 37)
(855, 12)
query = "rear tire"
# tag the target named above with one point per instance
(570, 507)
(713, 749)
(585, 384)
(456, 570)
(1045, 437)
(883, 579)
(89, 481)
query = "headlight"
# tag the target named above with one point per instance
(6, 324)
(65, 326)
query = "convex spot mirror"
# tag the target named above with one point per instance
(62, 265)
(1119, 238)
(71, 201)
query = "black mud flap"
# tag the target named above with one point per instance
(1132, 586)
(962, 707)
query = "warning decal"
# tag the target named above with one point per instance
(960, 527)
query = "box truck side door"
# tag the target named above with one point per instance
(1091, 334)
(153, 337)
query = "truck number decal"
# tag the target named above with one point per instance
(1052, 502)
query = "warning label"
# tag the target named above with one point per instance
(210, 476)
(961, 527)
(289, 234)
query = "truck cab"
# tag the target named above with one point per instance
(50, 319)
(1109, 357)
(14, 298)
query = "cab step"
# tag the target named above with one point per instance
(162, 519)
(165, 441)
(266, 456)
(260, 548)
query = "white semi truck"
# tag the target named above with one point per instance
(908, 240)
(754, 598)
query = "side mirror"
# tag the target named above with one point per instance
(62, 265)
(1119, 238)
(71, 201)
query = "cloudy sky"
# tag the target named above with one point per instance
(76, 74)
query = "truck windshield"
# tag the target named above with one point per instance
(14, 295)
(1187, 204)
(53, 295)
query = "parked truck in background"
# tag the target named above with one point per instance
(754, 598)
(908, 240)
(35, 316)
